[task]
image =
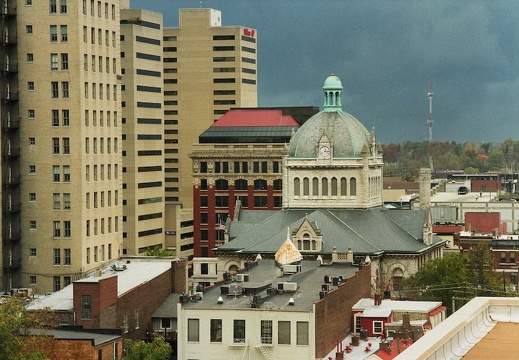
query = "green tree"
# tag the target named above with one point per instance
(158, 251)
(16, 342)
(159, 349)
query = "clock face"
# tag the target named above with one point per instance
(324, 151)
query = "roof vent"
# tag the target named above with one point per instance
(220, 300)
(291, 302)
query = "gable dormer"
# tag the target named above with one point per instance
(308, 237)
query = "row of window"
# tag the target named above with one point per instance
(268, 330)
(53, 6)
(94, 120)
(101, 197)
(33, 280)
(331, 187)
(57, 226)
(259, 201)
(109, 90)
(99, 253)
(100, 145)
(99, 33)
(101, 168)
(67, 258)
(57, 172)
(100, 225)
(97, 64)
(238, 167)
(99, 9)
(242, 184)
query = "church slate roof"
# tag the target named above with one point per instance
(372, 231)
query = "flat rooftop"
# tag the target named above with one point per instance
(138, 270)
(398, 305)
(263, 282)
(484, 328)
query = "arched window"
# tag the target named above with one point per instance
(221, 184)
(315, 186)
(278, 184)
(353, 187)
(260, 184)
(306, 186)
(398, 274)
(233, 269)
(344, 187)
(240, 184)
(334, 186)
(324, 186)
(297, 186)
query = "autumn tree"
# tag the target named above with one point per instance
(158, 349)
(17, 341)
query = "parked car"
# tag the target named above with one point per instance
(463, 190)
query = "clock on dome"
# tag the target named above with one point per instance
(324, 151)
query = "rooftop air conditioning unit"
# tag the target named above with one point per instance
(291, 269)
(242, 278)
(325, 287)
(290, 286)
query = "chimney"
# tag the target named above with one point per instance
(349, 256)
(386, 346)
(335, 257)
(425, 188)
(406, 322)
(378, 299)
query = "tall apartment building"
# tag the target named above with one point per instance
(65, 95)
(143, 130)
(208, 68)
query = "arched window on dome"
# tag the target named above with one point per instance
(306, 186)
(344, 187)
(315, 186)
(353, 186)
(297, 186)
(324, 186)
(334, 186)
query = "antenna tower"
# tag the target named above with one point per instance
(430, 122)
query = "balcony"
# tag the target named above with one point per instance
(8, 10)
(10, 96)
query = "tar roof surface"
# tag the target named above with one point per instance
(309, 282)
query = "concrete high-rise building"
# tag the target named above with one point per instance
(143, 130)
(62, 213)
(208, 68)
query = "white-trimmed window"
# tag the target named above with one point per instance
(378, 327)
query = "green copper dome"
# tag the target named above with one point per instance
(347, 135)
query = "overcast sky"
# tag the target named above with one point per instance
(386, 53)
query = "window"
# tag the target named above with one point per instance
(32, 196)
(54, 61)
(67, 228)
(284, 332)
(216, 330)
(32, 169)
(377, 327)
(67, 257)
(67, 280)
(32, 279)
(30, 85)
(56, 201)
(88, 254)
(57, 257)
(28, 29)
(66, 117)
(55, 120)
(55, 145)
(239, 331)
(64, 61)
(56, 228)
(193, 330)
(63, 6)
(66, 173)
(64, 33)
(511, 258)
(502, 258)
(66, 146)
(32, 141)
(53, 7)
(31, 114)
(32, 224)
(53, 33)
(266, 331)
(66, 201)
(86, 305)
(55, 173)
(302, 333)
(57, 283)
(65, 89)
(54, 89)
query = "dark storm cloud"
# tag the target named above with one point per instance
(386, 53)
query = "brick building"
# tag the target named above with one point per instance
(239, 157)
(123, 297)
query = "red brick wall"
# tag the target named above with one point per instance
(485, 185)
(104, 295)
(145, 298)
(333, 314)
(482, 222)
(179, 276)
(81, 349)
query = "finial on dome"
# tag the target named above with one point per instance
(332, 93)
